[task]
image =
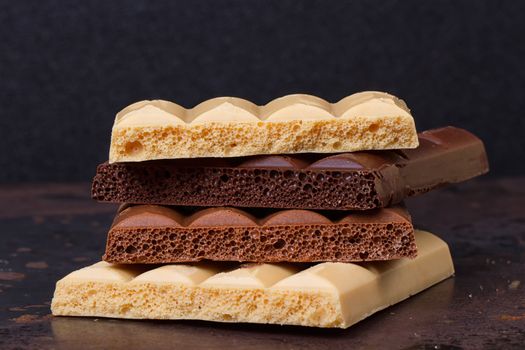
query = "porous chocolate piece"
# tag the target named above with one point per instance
(357, 181)
(149, 234)
(322, 295)
(234, 127)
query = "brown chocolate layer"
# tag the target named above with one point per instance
(149, 234)
(357, 181)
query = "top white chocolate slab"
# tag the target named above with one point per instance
(231, 127)
(323, 295)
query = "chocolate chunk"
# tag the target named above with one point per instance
(234, 127)
(153, 234)
(318, 295)
(357, 181)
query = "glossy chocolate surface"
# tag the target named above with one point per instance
(357, 181)
(149, 234)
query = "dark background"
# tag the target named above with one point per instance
(66, 67)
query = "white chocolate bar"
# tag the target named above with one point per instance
(231, 127)
(324, 295)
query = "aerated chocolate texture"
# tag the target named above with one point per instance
(322, 295)
(234, 127)
(156, 234)
(359, 181)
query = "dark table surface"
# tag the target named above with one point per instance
(49, 230)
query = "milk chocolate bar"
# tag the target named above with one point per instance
(232, 127)
(358, 181)
(323, 295)
(148, 234)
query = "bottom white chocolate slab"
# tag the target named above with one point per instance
(324, 295)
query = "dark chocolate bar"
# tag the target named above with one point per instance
(149, 234)
(358, 181)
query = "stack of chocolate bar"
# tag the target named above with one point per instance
(288, 213)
